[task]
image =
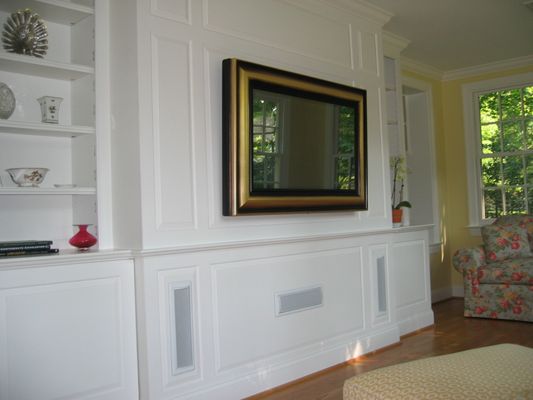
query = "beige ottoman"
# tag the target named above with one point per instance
(503, 371)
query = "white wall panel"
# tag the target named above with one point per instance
(369, 55)
(68, 332)
(175, 10)
(410, 274)
(247, 327)
(42, 321)
(281, 25)
(410, 278)
(172, 132)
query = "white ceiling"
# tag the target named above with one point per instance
(455, 34)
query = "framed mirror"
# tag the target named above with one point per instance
(291, 142)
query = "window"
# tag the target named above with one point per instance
(506, 151)
(266, 142)
(344, 146)
(268, 146)
(499, 129)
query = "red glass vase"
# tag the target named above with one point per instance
(83, 239)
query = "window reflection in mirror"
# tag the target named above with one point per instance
(311, 157)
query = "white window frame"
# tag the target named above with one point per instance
(472, 128)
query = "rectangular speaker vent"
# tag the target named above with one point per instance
(382, 290)
(183, 328)
(298, 300)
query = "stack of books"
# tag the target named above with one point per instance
(26, 248)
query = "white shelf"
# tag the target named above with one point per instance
(34, 66)
(59, 11)
(43, 129)
(84, 191)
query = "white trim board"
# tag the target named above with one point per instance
(487, 68)
(463, 73)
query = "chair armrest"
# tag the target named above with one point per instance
(468, 260)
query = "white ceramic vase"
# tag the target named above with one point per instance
(50, 109)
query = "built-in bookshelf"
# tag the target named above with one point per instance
(67, 149)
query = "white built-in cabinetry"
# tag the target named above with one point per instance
(68, 149)
(67, 328)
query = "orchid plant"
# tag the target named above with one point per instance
(399, 172)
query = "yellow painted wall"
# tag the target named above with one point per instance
(451, 171)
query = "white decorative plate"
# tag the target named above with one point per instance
(7, 101)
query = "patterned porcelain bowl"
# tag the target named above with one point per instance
(27, 176)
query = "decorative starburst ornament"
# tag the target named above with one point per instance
(25, 33)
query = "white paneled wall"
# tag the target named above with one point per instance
(207, 285)
(180, 46)
(240, 345)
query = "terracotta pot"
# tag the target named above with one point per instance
(397, 216)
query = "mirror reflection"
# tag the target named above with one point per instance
(319, 152)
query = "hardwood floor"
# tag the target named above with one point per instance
(451, 333)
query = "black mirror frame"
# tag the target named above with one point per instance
(238, 198)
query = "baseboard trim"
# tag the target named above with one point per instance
(416, 322)
(441, 294)
(299, 369)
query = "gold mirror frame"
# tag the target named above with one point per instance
(238, 198)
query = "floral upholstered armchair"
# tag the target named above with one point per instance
(498, 275)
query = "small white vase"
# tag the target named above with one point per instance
(50, 109)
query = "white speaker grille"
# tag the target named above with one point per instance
(382, 289)
(183, 328)
(298, 300)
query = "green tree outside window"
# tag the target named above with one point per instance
(506, 160)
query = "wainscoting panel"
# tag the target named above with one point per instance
(179, 324)
(410, 266)
(245, 310)
(252, 315)
(68, 332)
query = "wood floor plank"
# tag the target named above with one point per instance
(451, 333)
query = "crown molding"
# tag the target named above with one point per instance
(363, 9)
(393, 44)
(488, 68)
(421, 68)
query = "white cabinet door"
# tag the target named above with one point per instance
(410, 280)
(68, 332)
